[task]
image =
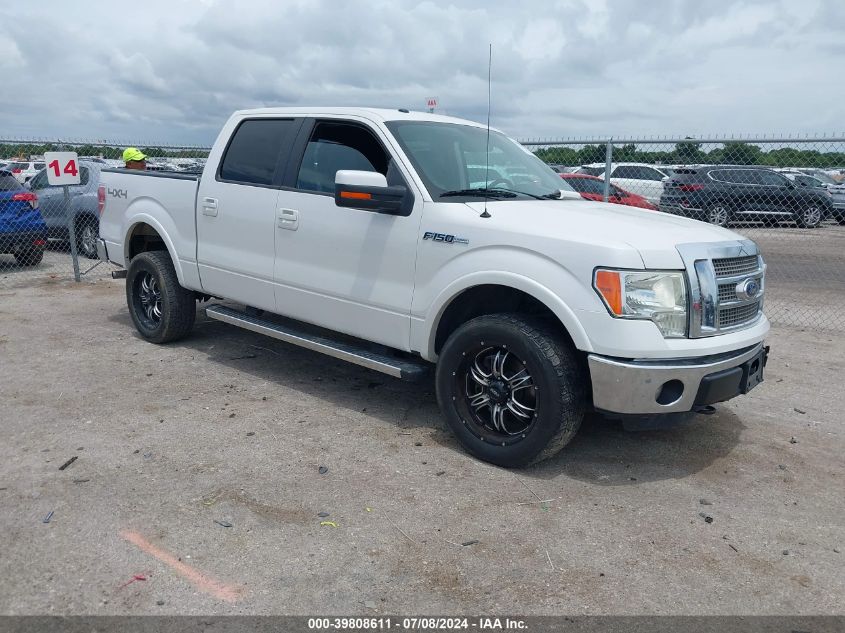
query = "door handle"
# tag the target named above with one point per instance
(209, 207)
(288, 219)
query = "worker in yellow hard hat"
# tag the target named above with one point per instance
(134, 158)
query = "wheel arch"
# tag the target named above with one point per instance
(475, 297)
(146, 234)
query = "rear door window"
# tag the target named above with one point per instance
(587, 185)
(258, 148)
(8, 182)
(626, 171)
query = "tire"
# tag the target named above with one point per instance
(31, 256)
(810, 216)
(87, 231)
(719, 214)
(161, 309)
(504, 349)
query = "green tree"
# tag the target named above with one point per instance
(739, 153)
(688, 152)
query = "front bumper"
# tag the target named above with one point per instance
(644, 387)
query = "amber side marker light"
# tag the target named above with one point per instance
(355, 195)
(609, 286)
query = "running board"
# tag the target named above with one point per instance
(404, 368)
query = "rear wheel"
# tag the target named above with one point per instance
(810, 216)
(511, 388)
(161, 309)
(30, 256)
(87, 231)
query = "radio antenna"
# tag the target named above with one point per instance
(487, 153)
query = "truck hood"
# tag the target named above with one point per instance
(653, 234)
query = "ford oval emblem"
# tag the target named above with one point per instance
(747, 289)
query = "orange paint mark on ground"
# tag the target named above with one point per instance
(202, 582)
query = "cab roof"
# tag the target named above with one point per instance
(380, 115)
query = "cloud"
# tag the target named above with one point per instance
(174, 70)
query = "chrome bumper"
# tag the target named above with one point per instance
(102, 252)
(633, 387)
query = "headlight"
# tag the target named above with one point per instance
(658, 296)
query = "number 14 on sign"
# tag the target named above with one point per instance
(62, 168)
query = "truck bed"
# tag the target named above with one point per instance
(164, 200)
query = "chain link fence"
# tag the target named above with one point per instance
(50, 232)
(786, 194)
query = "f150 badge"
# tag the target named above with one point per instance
(442, 237)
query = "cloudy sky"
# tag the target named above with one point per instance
(172, 71)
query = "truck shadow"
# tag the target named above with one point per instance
(602, 452)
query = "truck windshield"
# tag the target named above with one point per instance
(452, 161)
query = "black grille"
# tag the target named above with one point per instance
(727, 292)
(729, 317)
(733, 266)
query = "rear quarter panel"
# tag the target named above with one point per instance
(166, 204)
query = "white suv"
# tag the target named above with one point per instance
(640, 178)
(24, 170)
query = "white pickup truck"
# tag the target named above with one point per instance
(398, 240)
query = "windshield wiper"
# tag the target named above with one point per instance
(484, 193)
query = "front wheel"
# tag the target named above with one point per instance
(511, 387)
(160, 308)
(810, 216)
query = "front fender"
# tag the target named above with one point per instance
(427, 327)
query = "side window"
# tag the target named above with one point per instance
(84, 176)
(336, 146)
(769, 178)
(253, 152)
(588, 185)
(39, 181)
(741, 176)
(39, 165)
(591, 171)
(648, 173)
(625, 171)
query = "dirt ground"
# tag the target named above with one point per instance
(197, 485)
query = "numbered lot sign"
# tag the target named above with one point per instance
(62, 168)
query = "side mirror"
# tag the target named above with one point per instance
(28, 184)
(368, 190)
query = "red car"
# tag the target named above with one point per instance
(592, 188)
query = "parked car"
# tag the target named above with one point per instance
(721, 194)
(82, 207)
(22, 229)
(25, 170)
(836, 190)
(641, 178)
(531, 309)
(592, 188)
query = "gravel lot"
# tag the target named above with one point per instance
(228, 428)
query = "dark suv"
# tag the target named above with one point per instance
(720, 194)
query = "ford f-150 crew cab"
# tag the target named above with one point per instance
(398, 240)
